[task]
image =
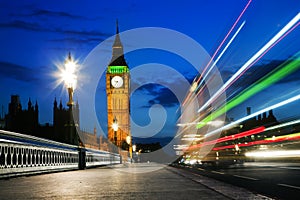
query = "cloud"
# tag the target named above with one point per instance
(165, 91)
(78, 40)
(150, 89)
(43, 20)
(49, 13)
(158, 94)
(18, 72)
(165, 97)
(81, 32)
(19, 24)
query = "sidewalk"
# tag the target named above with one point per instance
(125, 181)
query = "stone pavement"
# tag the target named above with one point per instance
(126, 181)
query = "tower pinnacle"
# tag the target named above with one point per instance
(117, 53)
(117, 27)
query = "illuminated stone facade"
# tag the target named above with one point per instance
(118, 93)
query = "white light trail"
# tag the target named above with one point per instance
(221, 54)
(252, 59)
(287, 101)
(283, 125)
(273, 154)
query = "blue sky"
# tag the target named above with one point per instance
(35, 35)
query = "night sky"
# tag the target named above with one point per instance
(36, 36)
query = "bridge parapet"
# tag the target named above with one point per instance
(23, 154)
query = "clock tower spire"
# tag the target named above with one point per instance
(118, 52)
(118, 93)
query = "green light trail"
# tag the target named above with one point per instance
(280, 72)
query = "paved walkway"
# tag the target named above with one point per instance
(127, 181)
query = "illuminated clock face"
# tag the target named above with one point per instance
(117, 81)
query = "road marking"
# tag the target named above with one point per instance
(217, 172)
(296, 168)
(201, 169)
(246, 177)
(196, 174)
(290, 186)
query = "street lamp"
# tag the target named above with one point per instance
(115, 126)
(70, 78)
(128, 140)
(134, 148)
(68, 75)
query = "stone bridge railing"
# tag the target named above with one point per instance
(22, 154)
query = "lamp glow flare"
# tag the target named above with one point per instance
(68, 75)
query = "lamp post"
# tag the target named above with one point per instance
(69, 77)
(129, 142)
(115, 126)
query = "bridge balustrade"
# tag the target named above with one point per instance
(24, 154)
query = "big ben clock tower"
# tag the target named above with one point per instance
(118, 93)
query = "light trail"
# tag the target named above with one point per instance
(282, 103)
(295, 136)
(261, 56)
(281, 38)
(280, 72)
(272, 154)
(230, 137)
(284, 137)
(221, 44)
(221, 54)
(228, 126)
(257, 55)
(252, 132)
(283, 125)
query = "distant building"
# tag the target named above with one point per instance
(19, 120)
(89, 140)
(66, 123)
(65, 127)
(2, 119)
(259, 120)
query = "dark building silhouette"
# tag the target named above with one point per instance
(265, 119)
(66, 123)
(19, 120)
(2, 118)
(65, 127)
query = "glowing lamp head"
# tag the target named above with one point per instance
(115, 125)
(128, 139)
(69, 79)
(69, 73)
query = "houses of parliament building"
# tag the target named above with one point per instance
(65, 127)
